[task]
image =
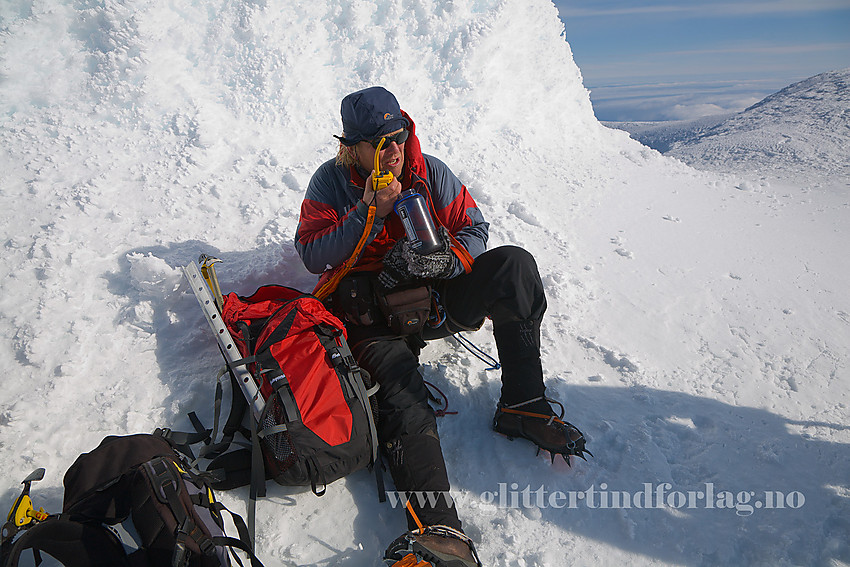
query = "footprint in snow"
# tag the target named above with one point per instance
(618, 241)
(521, 212)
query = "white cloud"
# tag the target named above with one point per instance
(674, 101)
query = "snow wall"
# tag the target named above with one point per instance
(136, 135)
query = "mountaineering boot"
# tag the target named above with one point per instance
(435, 538)
(432, 546)
(546, 430)
(523, 410)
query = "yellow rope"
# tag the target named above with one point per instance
(380, 179)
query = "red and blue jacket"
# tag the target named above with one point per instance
(333, 216)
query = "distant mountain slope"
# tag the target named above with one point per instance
(662, 136)
(802, 127)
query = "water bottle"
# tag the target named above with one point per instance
(412, 209)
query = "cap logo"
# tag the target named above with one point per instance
(388, 116)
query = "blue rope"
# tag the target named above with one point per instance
(438, 317)
(477, 352)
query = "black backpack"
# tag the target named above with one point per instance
(60, 541)
(132, 501)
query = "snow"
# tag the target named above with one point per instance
(802, 128)
(698, 324)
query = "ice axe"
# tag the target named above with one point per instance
(207, 263)
(23, 512)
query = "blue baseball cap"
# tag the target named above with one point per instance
(370, 114)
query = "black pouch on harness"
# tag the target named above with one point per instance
(354, 300)
(406, 310)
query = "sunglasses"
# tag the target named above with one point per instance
(398, 138)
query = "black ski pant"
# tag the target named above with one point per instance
(504, 285)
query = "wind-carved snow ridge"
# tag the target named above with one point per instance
(136, 135)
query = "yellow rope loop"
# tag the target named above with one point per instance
(379, 181)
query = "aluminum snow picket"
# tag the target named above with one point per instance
(224, 338)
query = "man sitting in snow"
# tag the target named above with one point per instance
(390, 280)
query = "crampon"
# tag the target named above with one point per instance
(549, 432)
(432, 546)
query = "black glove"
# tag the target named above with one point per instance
(439, 264)
(403, 263)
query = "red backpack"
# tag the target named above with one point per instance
(317, 423)
(312, 415)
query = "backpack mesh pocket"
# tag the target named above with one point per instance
(278, 445)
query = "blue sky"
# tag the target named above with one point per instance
(676, 59)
